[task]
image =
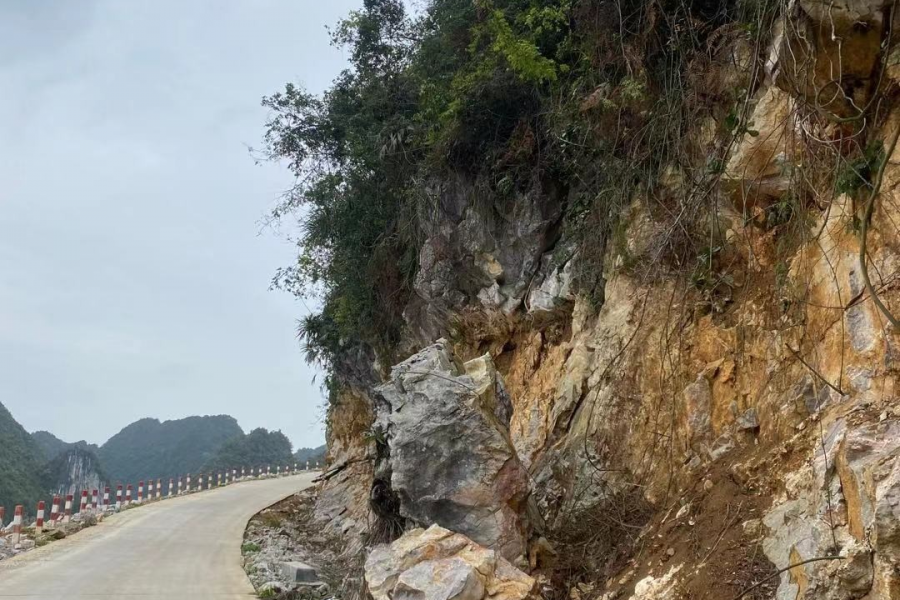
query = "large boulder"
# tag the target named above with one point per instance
(450, 458)
(437, 564)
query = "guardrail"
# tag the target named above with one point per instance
(89, 506)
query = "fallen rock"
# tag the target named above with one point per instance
(437, 564)
(450, 459)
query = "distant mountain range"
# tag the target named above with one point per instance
(150, 448)
(35, 466)
(310, 454)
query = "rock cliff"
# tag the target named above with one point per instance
(719, 423)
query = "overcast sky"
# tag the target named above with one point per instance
(134, 272)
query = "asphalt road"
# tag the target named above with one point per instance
(187, 547)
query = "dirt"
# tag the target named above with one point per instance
(714, 531)
(287, 531)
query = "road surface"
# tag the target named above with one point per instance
(187, 547)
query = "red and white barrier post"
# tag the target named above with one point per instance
(209, 480)
(95, 494)
(307, 465)
(54, 511)
(158, 489)
(39, 522)
(150, 490)
(106, 499)
(242, 472)
(200, 482)
(171, 487)
(140, 496)
(218, 479)
(118, 497)
(187, 485)
(128, 489)
(84, 501)
(17, 525)
(179, 485)
(67, 512)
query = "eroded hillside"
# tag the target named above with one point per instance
(609, 290)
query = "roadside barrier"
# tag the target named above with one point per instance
(54, 511)
(124, 496)
(67, 515)
(17, 525)
(39, 522)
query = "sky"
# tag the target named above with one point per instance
(134, 269)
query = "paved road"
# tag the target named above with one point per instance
(186, 547)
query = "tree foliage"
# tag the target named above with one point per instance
(20, 460)
(258, 448)
(150, 449)
(592, 94)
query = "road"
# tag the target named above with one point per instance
(187, 547)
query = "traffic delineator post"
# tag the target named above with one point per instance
(17, 525)
(54, 511)
(95, 494)
(39, 522)
(118, 497)
(140, 497)
(67, 511)
(84, 501)
(106, 498)
(128, 489)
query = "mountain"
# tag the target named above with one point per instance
(150, 448)
(51, 446)
(260, 447)
(310, 454)
(20, 463)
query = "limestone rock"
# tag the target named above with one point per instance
(759, 169)
(451, 461)
(858, 491)
(437, 564)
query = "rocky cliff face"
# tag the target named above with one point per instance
(734, 431)
(72, 471)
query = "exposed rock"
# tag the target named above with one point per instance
(451, 459)
(437, 564)
(759, 170)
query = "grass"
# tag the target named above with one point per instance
(249, 548)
